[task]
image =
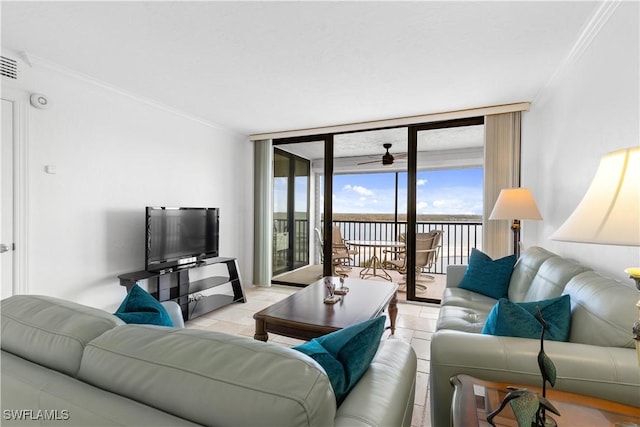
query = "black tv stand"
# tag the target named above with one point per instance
(195, 298)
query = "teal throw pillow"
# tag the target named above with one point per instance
(140, 307)
(346, 354)
(486, 276)
(518, 319)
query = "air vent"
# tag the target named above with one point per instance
(8, 67)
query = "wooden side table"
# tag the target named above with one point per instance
(473, 399)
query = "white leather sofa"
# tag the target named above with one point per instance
(598, 360)
(64, 363)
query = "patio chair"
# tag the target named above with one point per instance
(340, 248)
(427, 249)
(337, 259)
(427, 258)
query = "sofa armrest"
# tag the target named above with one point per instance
(605, 372)
(455, 273)
(173, 308)
(384, 396)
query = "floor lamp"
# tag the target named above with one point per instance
(515, 204)
(609, 212)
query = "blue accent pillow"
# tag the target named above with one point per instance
(517, 319)
(346, 354)
(486, 276)
(140, 307)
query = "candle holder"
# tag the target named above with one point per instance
(342, 289)
(331, 287)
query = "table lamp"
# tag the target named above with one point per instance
(609, 212)
(515, 204)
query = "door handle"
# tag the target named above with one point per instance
(4, 248)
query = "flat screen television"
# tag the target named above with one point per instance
(178, 237)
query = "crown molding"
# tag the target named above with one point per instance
(589, 32)
(396, 122)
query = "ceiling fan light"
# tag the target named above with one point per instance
(387, 159)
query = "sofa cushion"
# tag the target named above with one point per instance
(49, 331)
(512, 319)
(486, 276)
(70, 402)
(553, 275)
(525, 270)
(210, 378)
(140, 307)
(602, 310)
(346, 354)
(463, 319)
(465, 298)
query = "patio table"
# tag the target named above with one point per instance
(372, 270)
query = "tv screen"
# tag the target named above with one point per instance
(178, 236)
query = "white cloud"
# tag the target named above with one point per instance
(358, 189)
(421, 182)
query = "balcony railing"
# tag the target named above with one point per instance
(457, 241)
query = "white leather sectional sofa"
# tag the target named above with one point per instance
(68, 364)
(598, 360)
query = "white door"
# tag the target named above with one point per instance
(6, 197)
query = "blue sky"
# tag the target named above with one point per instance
(451, 191)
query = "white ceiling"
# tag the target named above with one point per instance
(264, 66)
(370, 143)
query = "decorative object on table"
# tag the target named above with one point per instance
(515, 204)
(342, 289)
(548, 372)
(331, 298)
(609, 212)
(528, 407)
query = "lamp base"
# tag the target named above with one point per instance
(636, 333)
(634, 273)
(515, 227)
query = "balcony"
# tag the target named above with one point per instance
(457, 241)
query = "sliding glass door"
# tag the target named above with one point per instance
(369, 202)
(445, 199)
(380, 194)
(290, 211)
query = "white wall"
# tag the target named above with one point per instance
(115, 155)
(590, 109)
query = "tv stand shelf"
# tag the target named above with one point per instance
(195, 298)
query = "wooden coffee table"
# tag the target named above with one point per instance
(304, 315)
(473, 399)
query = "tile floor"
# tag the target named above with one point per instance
(415, 325)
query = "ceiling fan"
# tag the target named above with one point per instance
(387, 158)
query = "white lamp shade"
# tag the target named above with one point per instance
(609, 212)
(515, 203)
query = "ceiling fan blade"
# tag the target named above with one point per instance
(368, 163)
(400, 155)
